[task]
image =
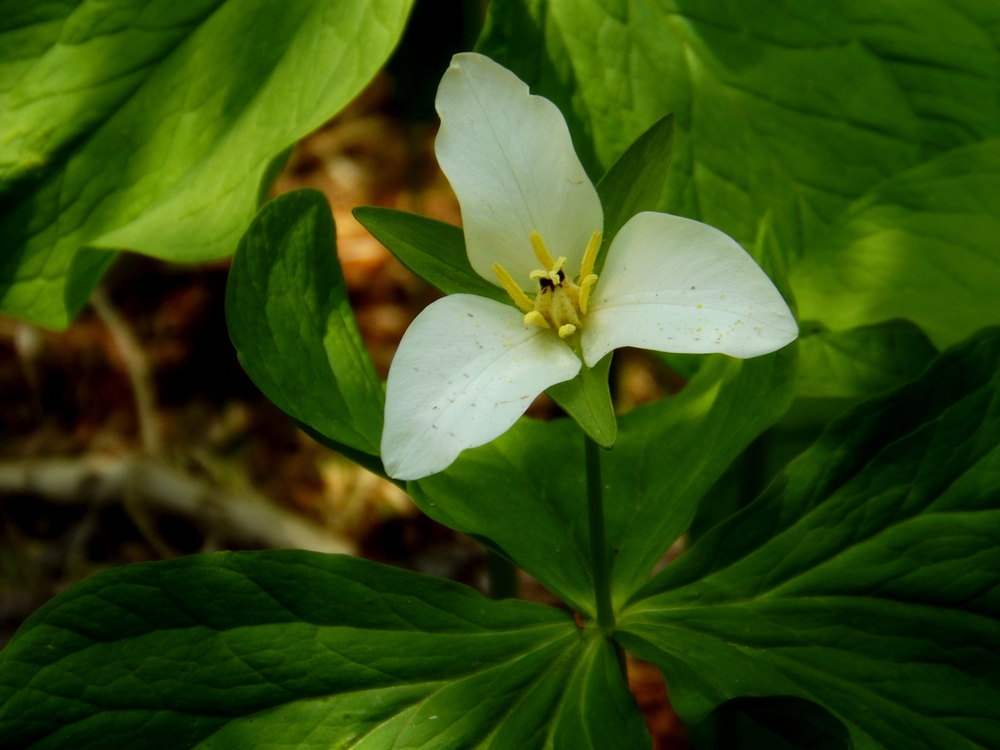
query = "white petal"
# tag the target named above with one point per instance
(676, 285)
(510, 160)
(466, 369)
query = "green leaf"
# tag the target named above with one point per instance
(587, 399)
(635, 181)
(861, 362)
(273, 171)
(125, 125)
(292, 325)
(772, 257)
(433, 250)
(668, 455)
(891, 92)
(291, 650)
(525, 491)
(749, 136)
(864, 579)
(923, 245)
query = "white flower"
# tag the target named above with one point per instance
(468, 366)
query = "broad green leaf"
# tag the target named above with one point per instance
(295, 650)
(433, 250)
(526, 490)
(669, 454)
(749, 137)
(861, 362)
(150, 126)
(292, 325)
(773, 258)
(524, 495)
(893, 89)
(587, 399)
(864, 579)
(923, 245)
(635, 181)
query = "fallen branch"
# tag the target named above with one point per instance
(136, 366)
(244, 519)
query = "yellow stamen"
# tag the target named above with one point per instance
(556, 268)
(590, 256)
(537, 318)
(515, 292)
(541, 252)
(567, 330)
(586, 283)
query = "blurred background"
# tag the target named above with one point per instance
(135, 435)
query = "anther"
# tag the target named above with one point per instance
(567, 330)
(541, 252)
(586, 284)
(590, 256)
(511, 287)
(537, 318)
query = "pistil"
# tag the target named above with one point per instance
(560, 302)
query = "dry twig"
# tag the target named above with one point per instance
(247, 519)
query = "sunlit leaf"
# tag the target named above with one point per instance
(924, 245)
(865, 131)
(150, 127)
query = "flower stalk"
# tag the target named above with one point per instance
(598, 543)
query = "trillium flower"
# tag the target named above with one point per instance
(468, 366)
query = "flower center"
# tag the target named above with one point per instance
(560, 303)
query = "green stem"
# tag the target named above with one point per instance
(598, 545)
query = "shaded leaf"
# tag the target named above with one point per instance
(301, 651)
(799, 723)
(635, 181)
(864, 579)
(292, 324)
(861, 362)
(433, 250)
(525, 491)
(587, 399)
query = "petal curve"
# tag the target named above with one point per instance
(465, 371)
(510, 160)
(676, 285)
